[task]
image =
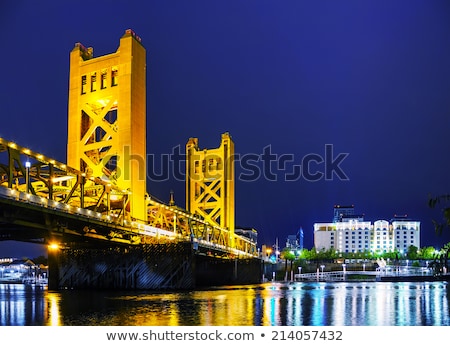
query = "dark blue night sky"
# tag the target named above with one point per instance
(369, 79)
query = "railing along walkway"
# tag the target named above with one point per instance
(388, 271)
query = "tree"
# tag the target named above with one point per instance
(40, 260)
(427, 252)
(412, 252)
(442, 200)
(288, 255)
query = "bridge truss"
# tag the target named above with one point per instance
(52, 200)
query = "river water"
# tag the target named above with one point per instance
(269, 304)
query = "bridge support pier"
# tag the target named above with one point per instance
(53, 268)
(211, 271)
(149, 266)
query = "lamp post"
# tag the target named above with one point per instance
(27, 176)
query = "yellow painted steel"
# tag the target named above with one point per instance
(105, 175)
(107, 118)
(210, 184)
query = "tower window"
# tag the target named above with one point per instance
(83, 84)
(94, 81)
(196, 165)
(114, 76)
(103, 79)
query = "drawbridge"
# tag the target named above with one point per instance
(100, 195)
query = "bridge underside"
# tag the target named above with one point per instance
(152, 267)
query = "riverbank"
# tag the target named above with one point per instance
(415, 278)
(25, 281)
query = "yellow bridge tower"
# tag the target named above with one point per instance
(107, 118)
(210, 183)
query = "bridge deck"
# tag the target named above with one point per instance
(60, 219)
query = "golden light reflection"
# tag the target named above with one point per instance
(54, 318)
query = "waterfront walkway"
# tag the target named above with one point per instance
(381, 274)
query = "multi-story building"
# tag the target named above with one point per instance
(353, 234)
(295, 241)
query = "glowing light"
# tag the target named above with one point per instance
(63, 178)
(53, 246)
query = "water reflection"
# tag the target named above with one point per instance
(22, 305)
(271, 304)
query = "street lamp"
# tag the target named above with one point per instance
(27, 176)
(53, 246)
(299, 270)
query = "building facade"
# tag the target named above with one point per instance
(356, 235)
(295, 241)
